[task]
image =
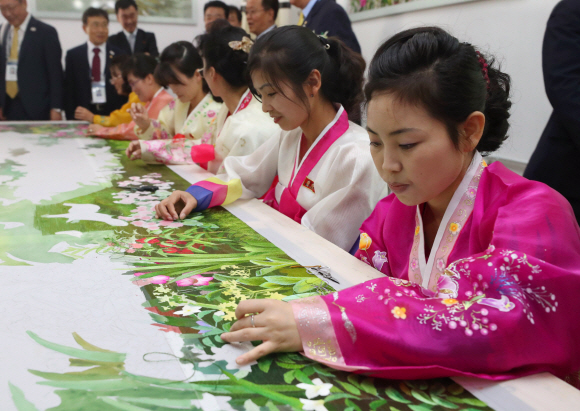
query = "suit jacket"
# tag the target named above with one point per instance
(556, 160)
(327, 17)
(77, 82)
(39, 70)
(144, 42)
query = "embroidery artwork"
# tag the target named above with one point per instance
(106, 306)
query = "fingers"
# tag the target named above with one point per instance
(136, 154)
(244, 334)
(250, 307)
(245, 322)
(161, 211)
(190, 203)
(171, 211)
(132, 148)
(261, 350)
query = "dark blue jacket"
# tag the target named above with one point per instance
(77, 82)
(144, 42)
(329, 18)
(556, 160)
(39, 70)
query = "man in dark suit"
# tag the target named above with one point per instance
(327, 18)
(30, 66)
(131, 39)
(87, 78)
(556, 160)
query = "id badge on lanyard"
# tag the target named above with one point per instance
(12, 70)
(98, 92)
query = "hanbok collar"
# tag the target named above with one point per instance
(161, 90)
(195, 112)
(244, 101)
(427, 272)
(337, 118)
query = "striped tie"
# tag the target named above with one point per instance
(12, 86)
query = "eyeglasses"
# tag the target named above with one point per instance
(253, 11)
(134, 83)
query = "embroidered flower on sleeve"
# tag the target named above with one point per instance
(365, 242)
(449, 301)
(454, 228)
(379, 259)
(399, 313)
(360, 298)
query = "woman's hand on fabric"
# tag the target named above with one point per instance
(273, 324)
(82, 113)
(94, 129)
(140, 116)
(177, 206)
(134, 150)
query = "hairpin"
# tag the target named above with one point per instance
(324, 41)
(245, 45)
(484, 67)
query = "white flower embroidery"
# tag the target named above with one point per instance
(319, 388)
(188, 310)
(313, 405)
(360, 298)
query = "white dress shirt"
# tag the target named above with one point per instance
(21, 33)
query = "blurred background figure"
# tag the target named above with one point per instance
(235, 16)
(261, 16)
(30, 63)
(555, 160)
(132, 39)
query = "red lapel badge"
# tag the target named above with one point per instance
(309, 184)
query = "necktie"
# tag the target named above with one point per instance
(12, 86)
(96, 70)
(132, 42)
(301, 19)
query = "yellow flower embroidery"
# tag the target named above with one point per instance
(365, 242)
(454, 228)
(417, 230)
(399, 312)
(449, 301)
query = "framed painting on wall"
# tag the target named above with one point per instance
(152, 11)
(368, 9)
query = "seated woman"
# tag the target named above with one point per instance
(327, 181)
(482, 267)
(121, 116)
(138, 73)
(189, 117)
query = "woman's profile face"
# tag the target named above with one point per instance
(412, 151)
(189, 88)
(283, 105)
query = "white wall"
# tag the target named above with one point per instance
(512, 30)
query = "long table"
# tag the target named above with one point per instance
(92, 310)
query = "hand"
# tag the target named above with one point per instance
(140, 116)
(274, 325)
(134, 150)
(55, 115)
(82, 113)
(178, 202)
(93, 129)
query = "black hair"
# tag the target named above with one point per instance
(119, 60)
(139, 65)
(429, 67)
(217, 4)
(124, 5)
(229, 63)
(291, 53)
(94, 12)
(234, 9)
(181, 56)
(271, 5)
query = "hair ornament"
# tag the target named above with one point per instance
(245, 45)
(484, 67)
(324, 41)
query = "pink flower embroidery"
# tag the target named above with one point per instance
(195, 280)
(440, 264)
(447, 287)
(414, 264)
(171, 105)
(211, 113)
(471, 192)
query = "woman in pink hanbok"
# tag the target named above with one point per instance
(482, 267)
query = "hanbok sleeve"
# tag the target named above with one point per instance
(171, 151)
(121, 116)
(506, 312)
(120, 132)
(246, 177)
(162, 128)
